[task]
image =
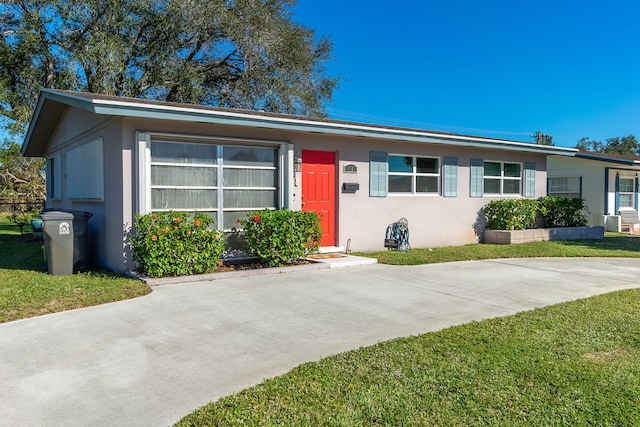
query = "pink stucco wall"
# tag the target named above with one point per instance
(434, 221)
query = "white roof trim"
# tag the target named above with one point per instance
(327, 124)
(133, 108)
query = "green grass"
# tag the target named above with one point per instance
(613, 245)
(26, 290)
(575, 363)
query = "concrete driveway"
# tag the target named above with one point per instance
(152, 360)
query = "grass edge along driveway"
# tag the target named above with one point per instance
(26, 290)
(574, 363)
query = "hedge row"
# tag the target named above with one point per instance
(521, 214)
(181, 243)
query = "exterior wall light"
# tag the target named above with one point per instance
(297, 163)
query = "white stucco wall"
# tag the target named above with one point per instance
(598, 182)
(593, 182)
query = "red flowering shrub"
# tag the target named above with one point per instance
(281, 237)
(190, 246)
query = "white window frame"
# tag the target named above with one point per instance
(567, 190)
(54, 177)
(223, 187)
(145, 139)
(503, 178)
(414, 174)
(631, 193)
(185, 187)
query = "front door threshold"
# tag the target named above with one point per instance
(330, 249)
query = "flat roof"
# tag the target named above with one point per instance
(53, 103)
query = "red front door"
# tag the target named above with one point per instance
(319, 192)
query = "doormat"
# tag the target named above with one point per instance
(326, 256)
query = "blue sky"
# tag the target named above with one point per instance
(502, 69)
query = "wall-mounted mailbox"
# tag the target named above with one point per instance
(350, 187)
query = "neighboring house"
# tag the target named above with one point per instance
(607, 182)
(115, 157)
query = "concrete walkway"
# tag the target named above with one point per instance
(152, 360)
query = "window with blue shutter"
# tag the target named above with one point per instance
(378, 170)
(477, 178)
(450, 177)
(530, 179)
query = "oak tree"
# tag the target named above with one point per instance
(228, 53)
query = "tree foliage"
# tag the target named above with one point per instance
(542, 139)
(21, 178)
(626, 145)
(227, 53)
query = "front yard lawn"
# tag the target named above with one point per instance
(576, 363)
(573, 364)
(26, 290)
(613, 245)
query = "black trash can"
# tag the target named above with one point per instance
(66, 241)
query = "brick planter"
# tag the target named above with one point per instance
(505, 237)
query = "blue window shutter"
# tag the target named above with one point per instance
(450, 177)
(581, 187)
(477, 178)
(617, 205)
(549, 183)
(530, 179)
(378, 168)
(635, 199)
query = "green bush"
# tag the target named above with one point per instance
(176, 244)
(562, 211)
(281, 237)
(511, 214)
(520, 214)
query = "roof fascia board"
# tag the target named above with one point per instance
(171, 112)
(608, 159)
(231, 118)
(81, 102)
(62, 98)
(32, 123)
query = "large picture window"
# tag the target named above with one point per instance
(414, 175)
(249, 181)
(502, 178)
(223, 181)
(565, 186)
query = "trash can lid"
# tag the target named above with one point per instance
(74, 214)
(56, 216)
